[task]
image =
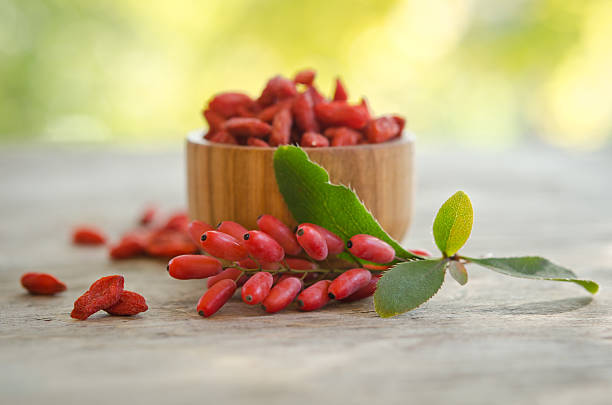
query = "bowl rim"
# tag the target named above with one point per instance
(196, 136)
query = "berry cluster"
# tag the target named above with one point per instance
(295, 112)
(275, 266)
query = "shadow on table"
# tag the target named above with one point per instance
(545, 307)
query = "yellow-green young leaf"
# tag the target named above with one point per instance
(312, 198)
(458, 272)
(408, 285)
(453, 224)
(534, 267)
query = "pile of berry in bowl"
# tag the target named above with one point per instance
(295, 112)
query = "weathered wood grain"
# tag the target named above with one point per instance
(229, 182)
(495, 341)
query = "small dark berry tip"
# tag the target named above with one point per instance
(331, 296)
(246, 236)
(218, 225)
(201, 313)
(248, 298)
(203, 237)
(168, 267)
(259, 217)
(349, 244)
(300, 303)
(300, 232)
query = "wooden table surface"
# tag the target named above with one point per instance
(496, 340)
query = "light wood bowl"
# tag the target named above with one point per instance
(237, 183)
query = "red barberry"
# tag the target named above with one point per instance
(231, 273)
(370, 248)
(196, 229)
(282, 294)
(223, 246)
(187, 267)
(295, 263)
(257, 288)
(215, 297)
(314, 297)
(348, 283)
(312, 241)
(232, 228)
(262, 246)
(335, 245)
(365, 291)
(280, 232)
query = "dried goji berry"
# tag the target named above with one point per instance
(343, 136)
(401, 122)
(257, 288)
(268, 113)
(382, 129)
(277, 88)
(223, 246)
(305, 76)
(88, 235)
(42, 283)
(228, 104)
(262, 246)
(341, 114)
(348, 283)
(280, 232)
(239, 126)
(148, 215)
(215, 121)
(314, 140)
(260, 143)
(340, 92)
(370, 248)
(231, 273)
(281, 128)
(130, 303)
(178, 222)
(215, 297)
(196, 229)
(282, 294)
(102, 294)
(314, 297)
(223, 137)
(315, 95)
(365, 291)
(303, 112)
(188, 267)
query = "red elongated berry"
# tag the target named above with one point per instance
(277, 88)
(167, 243)
(312, 241)
(229, 104)
(340, 92)
(130, 303)
(341, 114)
(223, 137)
(257, 288)
(305, 76)
(240, 126)
(346, 137)
(231, 273)
(348, 283)
(314, 297)
(368, 247)
(131, 244)
(335, 245)
(88, 235)
(215, 297)
(42, 284)
(103, 293)
(249, 263)
(365, 291)
(188, 267)
(232, 228)
(303, 112)
(281, 128)
(262, 246)
(257, 142)
(401, 122)
(282, 294)
(223, 246)
(268, 113)
(316, 96)
(214, 119)
(196, 229)
(382, 129)
(280, 232)
(300, 264)
(148, 215)
(314, 140)
(177, 222)
(420, 252)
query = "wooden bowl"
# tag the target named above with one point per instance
(237, 183)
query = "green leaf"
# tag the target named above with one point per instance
(312, 198)
(408, 285)
(458, 272)
(534, 267)
(453, 224)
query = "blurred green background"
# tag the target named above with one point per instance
(478, 72)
